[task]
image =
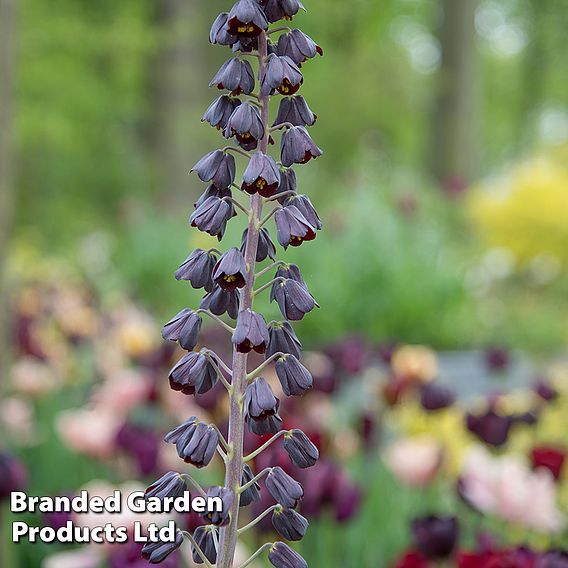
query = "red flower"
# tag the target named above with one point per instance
(412, 559)
(550, 458)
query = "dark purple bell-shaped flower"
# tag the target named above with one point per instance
(295, 110)
(287, 183)
(289, 524)
(12, 475)
(220, 518)
(184, 328)
(220, 110)
(261, 176)
(231, 270)
(297, 46)
(251, 332)
(205, 538)
(265, 248)
(434, 397)
(198, 269)
(216, 167)
(490, 427)
(292, 228)
(235, 76)
(247, 19)
(281, 9)
(246, 126)
(293, 376)
(282, 75)
(303, 453)
(283, 488)
(290, 271)
(169, 485)
(293, 299)
(193, 373)
(252, 493)
(245, 44)
(304, 205)
(282, 339)
(219, 34)
(211, 216)
(157, 552)
(213, 191)
(219, 301)
(297, 147)
(261, 408)
(435, 537)
(195, 442)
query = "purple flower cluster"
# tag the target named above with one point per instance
(229, 279)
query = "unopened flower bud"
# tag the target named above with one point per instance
(293, 376)
(205, 538)
(283, 339)
(295, 110)
(265, 248)
(303, 453)
(216, 167)
(195, 442)
(289, 524)
(193, 373)
(293, 299)
(261, 408)
(156, 552)
(169, 485)
(283, 488)
(297, 147)
(281, 9)
(220, 110)
(298, 46)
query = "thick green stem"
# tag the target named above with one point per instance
(234, 469)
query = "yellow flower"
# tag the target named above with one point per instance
(525, 211)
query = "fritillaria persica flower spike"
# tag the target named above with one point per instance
(230, 270)
(156, 552)
(197, 269)
(282, 556)
(261, 176)
(232, 280)
(235, 76)
(285, 489)
(298, 46)
(289, 524)
(205, 537)
(184, 328)
(303, 453)
(282, 75)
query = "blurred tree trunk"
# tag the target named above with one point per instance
(454, 129)
(8, 21)
(174, 86)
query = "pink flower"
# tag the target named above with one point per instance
(89, 431)
(415, 461)
(507, 488)
(123, 391)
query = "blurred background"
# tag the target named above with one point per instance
(443, 264)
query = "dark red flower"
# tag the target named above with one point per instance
(550, 458)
